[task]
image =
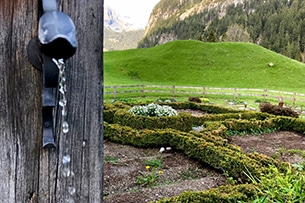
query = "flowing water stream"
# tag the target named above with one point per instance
(66, 158)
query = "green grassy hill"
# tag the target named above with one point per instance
(195, 63)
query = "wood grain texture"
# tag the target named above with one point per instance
(28, 172)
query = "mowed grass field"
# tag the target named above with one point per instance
(196, 63)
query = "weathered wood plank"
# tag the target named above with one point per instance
(28, 172)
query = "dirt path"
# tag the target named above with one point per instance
(177, 174)
(284, 145)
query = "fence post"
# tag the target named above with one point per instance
(173, 92)
(265, 94)
(114, 92)
(143, 91)
(234, 93)
(204, 91)
(293, 99)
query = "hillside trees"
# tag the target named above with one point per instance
(302, 40)
(236, 33)
(274, 24)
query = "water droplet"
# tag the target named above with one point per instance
(62, 89)
(72, 190)
(72, 174)
(61, 61)
(65, 127)
(62, 102)
(70, 200)
(66, 172)
(64, 112)
(66, 159)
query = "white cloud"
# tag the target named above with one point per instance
(138, 10)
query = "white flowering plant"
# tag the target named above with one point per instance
(153, 110)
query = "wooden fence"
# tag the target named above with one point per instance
(132, 91)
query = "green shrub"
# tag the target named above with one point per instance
(281, 186)
(204, 100)
(194, 99)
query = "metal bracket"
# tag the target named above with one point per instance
(49, 84)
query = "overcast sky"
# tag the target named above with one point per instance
(138, 10)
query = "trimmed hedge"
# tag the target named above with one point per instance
(290, 124)
(110, 109)
(242, 192)
(253, 125)
(180, 122)
(183, 122)
(213, 109)
(209, 146)
(215, 153)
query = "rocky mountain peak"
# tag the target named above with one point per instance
(117, 23)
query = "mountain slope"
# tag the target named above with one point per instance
(189, 62)
(119, 32)
(121, 40)
(167, 12)
(115, 22)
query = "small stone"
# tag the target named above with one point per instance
(168, 148)
(162, 149)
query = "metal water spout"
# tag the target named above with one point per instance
(49, 5)
(56, 32)
(56, 40)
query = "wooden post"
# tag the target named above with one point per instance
(173, 92)
(265, 94)
(293, 99)
(30, 174)
(281, 101)
(114, 92)
(143, 94)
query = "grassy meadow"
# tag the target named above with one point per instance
(196, 63)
